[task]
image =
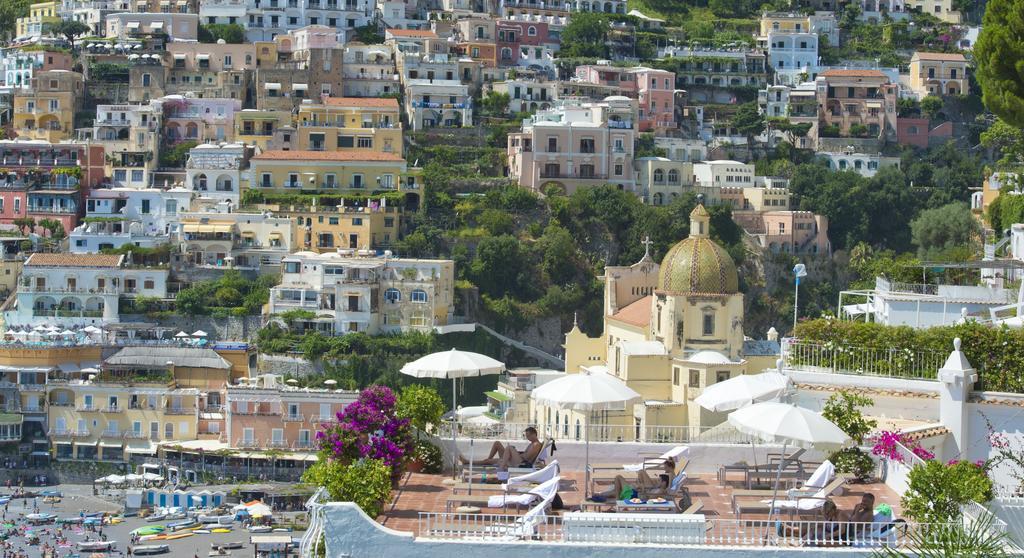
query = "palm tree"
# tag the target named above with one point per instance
(977, 540)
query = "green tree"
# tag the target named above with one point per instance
(844, 409)
(25, 224)
(495, 103)
(71, 29)
(645, 147)
(176, 155)
(10, 11)
(748, 121)
(501, 267)
(935, 231)
(231, 33)
(497, 222)
(191, 301)
(936, 491)
(369, 34)
(585, 36)
(931, 105)
(1007, 141)
(558, 255)
(997, 56)
(366, 482)
(422, 405)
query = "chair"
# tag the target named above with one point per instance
(695, 507)
(543, 456)
(504, 500)
(519, 483)
(819, 479)
(797, 503)
(651, 461)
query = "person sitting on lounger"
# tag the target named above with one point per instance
(623, 490)
(508, 456)
(830, 529)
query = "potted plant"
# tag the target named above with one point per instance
(423, 407)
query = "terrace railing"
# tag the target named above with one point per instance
(668, 530)
(600, 433)
(835, 358)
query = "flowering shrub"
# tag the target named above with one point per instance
(887, 447)
(936, 491)
(369, 428)
(1006, 455)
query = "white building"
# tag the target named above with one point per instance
(215, 170)
(724, 173)
(864, 164)
(226, 240)
(527, 95)
(683, 150)
(369, 71)
(265, 19)
(921, 306)
(79, 289)
(118, 216)
(793, 56)
(92, 12)
(177, 27)
(438, 103)
(351, 291)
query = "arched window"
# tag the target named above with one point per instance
(392, 295)
(673, 176)
(659, 176)
(419, 295)
(531, 31)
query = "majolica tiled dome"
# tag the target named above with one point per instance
(697, 265)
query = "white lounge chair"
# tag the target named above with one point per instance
(521, 483)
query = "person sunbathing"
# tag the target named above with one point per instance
(508, 456)
(623, 490)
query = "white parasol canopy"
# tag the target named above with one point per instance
(586, 391)
(453, 364)
(198, 333)
(67, 333)
(91, 329)
(782, 423)
(741, 391)
(181, 335)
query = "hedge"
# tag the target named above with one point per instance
(997, 353)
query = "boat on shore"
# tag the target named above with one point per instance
(149, 549)
(231, 545)
(96, 546)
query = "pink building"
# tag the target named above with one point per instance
(919, 132)
(794, 232)
(269, 415)
(203, 120)
(654, 89)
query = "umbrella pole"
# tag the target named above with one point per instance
(455, 425)
(775, 493)
(586, 474)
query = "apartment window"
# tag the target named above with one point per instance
(551, 170)
(316, 142)
(587, 171)
(587, 145)
(552, 145)
(330, 181)
(952, 73)
(393, 295)
(145, 207)
(293, 180)
(418, 295)
(694, 378)
(531, 31)
(709, 323)
(782, 228)
(154, 430)
(346, 141)
(54, 105)
(675, 376)
(364, 142)
(248, 435)
(266, 180)
(277, 436)
(722, 375)
(168, 430)
(618, 170)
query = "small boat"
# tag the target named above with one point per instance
(96, 546)
(177, 536)
(232, 545)
(149, 530)
(147, 549)
(176, 515)
(156, 517)
(226, 529)
(55, 493)
(40, 517)
(201, 531)
(260, 529)
(4, 499)
(282, 530)
(92, 521)
(219, 553)
(218, 519)
(70, 520)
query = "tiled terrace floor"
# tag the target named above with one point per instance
(427, 493)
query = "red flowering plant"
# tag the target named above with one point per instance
(887, 446)
(369, 428)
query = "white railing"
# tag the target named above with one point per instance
(835, 358)
(599, 433)
(310, 543)
(975, 513)
(670, 529)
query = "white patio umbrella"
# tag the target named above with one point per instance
(67, 333)
(181, 335)
(53, 329)
(453, 364)
(740, 391)
(198, 333)
(39, 327)
(587, 392)
(91, 329)
(789, 425)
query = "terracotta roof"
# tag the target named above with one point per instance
(328, 156)
(413, 33)
(369, 102)
(637, 313)
(853, 73)
(926, 433)
(956, 57)
(75, 260)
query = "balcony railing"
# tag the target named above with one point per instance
(87, 408)
(278, 444)
(134, 435)
(179, 411)
(247, 443)
(421, 104)
(294, 418)
(113, 409)
(603, 433)
(836, 358)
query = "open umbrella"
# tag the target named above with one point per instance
(91, 329)
(199, 333)
(453, 364)
(588, 392)
(789, 425)
(740, 391)
(181, 335)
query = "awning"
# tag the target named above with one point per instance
(272, 85)
(221, 228)
(110, 445)
(874, 104)
(211, 416)
(179, 55)
(132, 25)
(62, 442)
(68, 367)
(141, 447)
(202, 57)
(498, 396)
(299, 87)
(856, 309)
(190, 227)
(11, 418)
(275, 234)
(165, 2)
(248, 234)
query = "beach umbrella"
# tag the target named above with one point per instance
(67, 333)
(292, 381)
(587, 392)
(91, 329)
(330, 383)
(453, 364)
(740, 391)
(181, 335)
(786, 424)
(199, 333)
(39, 327)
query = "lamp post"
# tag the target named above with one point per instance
(799, 270)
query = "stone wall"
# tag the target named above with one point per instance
(219, 329)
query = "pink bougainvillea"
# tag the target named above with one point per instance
(369, 428)
(887, 446)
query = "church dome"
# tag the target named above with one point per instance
(697, 265)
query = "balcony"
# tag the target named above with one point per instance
(65, 290)
(87, 408)
(141, 407)
(294, 418)
(33, 409)
(574, 176)
(135, 435)
(179, 411)
(247, 443)
(112, 409)
(112, 435)
(278, 444)
(304, 445)
(60, 434)
(52, 209)
(421, 104)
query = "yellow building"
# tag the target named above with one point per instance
(46, 111)
(332, 172)
(326, 229)
(39, 15)
(938, 73)
(670, 330)
(258, 127)
(372, 124)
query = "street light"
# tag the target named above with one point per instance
(799, 270)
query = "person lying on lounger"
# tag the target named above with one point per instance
(623, 490)
(508, 456)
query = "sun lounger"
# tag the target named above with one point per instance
(519, 483)
(648, 461)
(695, 507)
(607, 476)
(823, 475)
(796, 503)
(507, 499)
(480, 471)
